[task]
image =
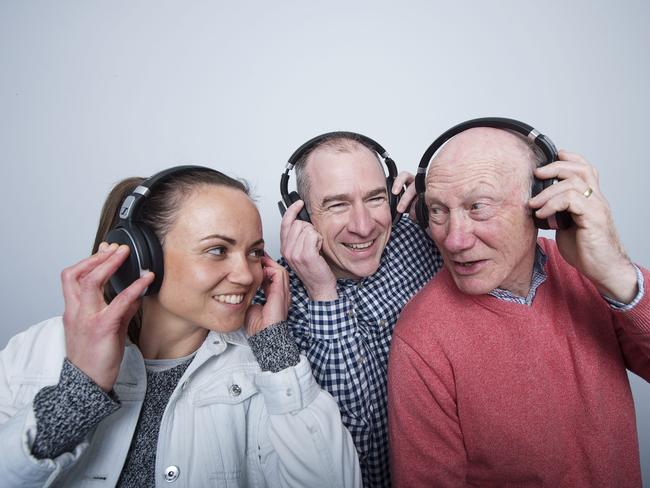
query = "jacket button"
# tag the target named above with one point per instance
(234, 390)
(171, 473)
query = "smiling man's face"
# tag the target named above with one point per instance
(348, 206)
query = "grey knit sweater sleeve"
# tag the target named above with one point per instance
(275, 348)
(68, 411)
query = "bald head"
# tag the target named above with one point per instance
(507, 153)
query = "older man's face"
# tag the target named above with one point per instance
(476, 192)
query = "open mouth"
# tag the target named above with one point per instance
(468, 267)
(230, 299)
(360, 245)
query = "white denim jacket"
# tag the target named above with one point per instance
(226, 423)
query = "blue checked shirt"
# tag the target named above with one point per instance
(347, 339)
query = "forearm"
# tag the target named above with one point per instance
(275, 348)
(633, 330)
(68, 411)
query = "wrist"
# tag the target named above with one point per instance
(323, 294)
(622, 286)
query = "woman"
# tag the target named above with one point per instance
(131, 391)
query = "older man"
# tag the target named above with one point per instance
(509, 368)
(352, 270)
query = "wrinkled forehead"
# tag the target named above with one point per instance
(500, 150)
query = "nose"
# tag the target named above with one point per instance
(460, 232)
(241, 271)
(360, 222)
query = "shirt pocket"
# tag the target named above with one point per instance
(223, 410)
(25, 388)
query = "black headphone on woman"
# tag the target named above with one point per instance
(145, 250)
(560, 220)
(288, 198)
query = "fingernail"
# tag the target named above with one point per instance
(122, 249)
(103, 246)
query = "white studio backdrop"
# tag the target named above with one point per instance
(92, 92)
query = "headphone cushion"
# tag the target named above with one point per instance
(422, 212)
(393, 199)
(129, 271)
(155, 255)
(303, 214)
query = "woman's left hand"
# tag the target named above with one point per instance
(278, 298)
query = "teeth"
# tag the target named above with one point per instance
(362, 245)
(231, 299)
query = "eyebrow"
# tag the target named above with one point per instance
(229, 240)
(343, 196)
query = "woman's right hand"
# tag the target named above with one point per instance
(95, 332)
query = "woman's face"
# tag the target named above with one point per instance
(212, 260)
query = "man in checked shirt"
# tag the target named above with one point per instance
(352, 270)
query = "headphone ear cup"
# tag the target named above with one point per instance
(129, 271)
(560, 220)
(393, 199)
(155, 255)
(303, 215)
(422, 212)
(538, 187)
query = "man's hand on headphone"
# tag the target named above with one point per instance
(592, 245)
(300, 245)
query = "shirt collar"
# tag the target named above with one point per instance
(538, 277)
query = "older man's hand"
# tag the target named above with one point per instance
(592, 245)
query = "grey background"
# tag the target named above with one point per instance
(91, 92)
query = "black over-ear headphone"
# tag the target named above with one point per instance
(561, 220)
(146, 252)
(289, 198)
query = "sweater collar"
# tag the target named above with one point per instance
(538, 277)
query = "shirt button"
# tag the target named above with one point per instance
(171, 473)
(234, 390)
(382, 323)
(289, 392)
(351, 313)
(362, 359)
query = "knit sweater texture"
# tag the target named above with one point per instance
(483, 392)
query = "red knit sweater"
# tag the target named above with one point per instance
(485, 392)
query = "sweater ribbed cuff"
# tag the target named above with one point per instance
(275, 348)
(68, 411)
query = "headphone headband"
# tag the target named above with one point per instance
(132, 203)
(540, 140)
(354, 136)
